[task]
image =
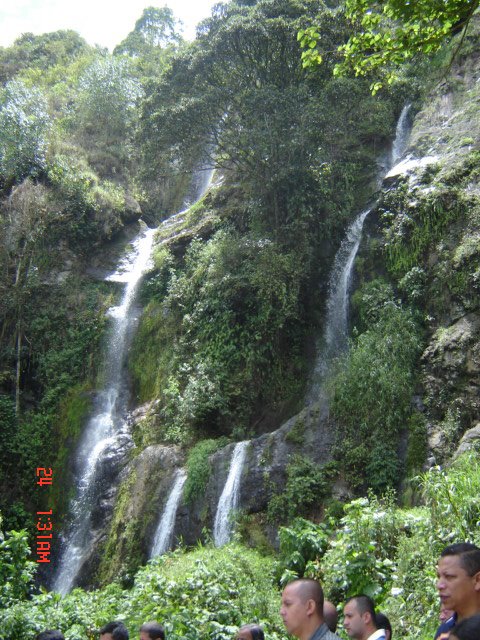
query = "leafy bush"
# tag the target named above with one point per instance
(206, 593)
(302, 544)
(16, 570)
(224, 341)
(359, 557)
(199, 467)
(306, 486)
(372, 398)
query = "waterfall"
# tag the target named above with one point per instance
(164, 533)
(222, 528)
(401, 136)
(335, 337)
(334, 341)
(106, 437)
(106, 432)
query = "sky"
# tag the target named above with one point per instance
(103, 22)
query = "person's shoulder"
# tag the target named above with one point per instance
(444, 629)
(329, 635)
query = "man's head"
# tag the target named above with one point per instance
(114, 631)
(50, 635)
(152, 631)
(384, 623)
(330, 615)
(302, 607)
(359, 617)
(250, 632)
(445, 614)
(458, 579)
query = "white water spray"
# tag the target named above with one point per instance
(228, 502)
(163, 536)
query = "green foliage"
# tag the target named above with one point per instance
(106, 108)
(16, 570)
(235, 96)
(372, 398)
(369, 301)
(388, 34)
(296, 435)
(199, 467)
(359, 559)
(410, 231)
(40, 52)
(206, 593)
(8, 420)
(155, 29)
(451, 515)
(306, 486)
(226, 314)
(24, 127)
(302, 544)
(417, 443)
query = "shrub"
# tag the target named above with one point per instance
(372, 398)
(199, 467)
(307, 485)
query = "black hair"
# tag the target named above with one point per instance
(364, 604)
(154, 630)
(383, 622)
(50, 634)
(120, 632)
(468, 554)
(255, 630)
(117, 629)
(310, 589)
(467, 629)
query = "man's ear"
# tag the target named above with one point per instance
(476, 581)
(311, 607)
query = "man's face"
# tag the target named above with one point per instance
(242, 634)
(455, 587)
(106, 636)
(293, 610)
(144, 635)
(353, 621)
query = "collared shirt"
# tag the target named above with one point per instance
(324, 633)
(377, 635)
(443, 630)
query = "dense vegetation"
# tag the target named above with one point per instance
(90, 141)
(374, 547)
(223, 337)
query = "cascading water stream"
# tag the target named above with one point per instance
(106, 437)
(228, 501)
(164, 533)
(106, 430)
(335, 337)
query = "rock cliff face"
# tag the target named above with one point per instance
(148, 479)
(428, 225)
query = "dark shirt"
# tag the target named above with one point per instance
(444, 629)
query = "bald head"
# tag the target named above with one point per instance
(309, 589)
(302, 607)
